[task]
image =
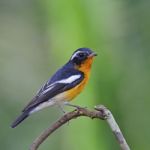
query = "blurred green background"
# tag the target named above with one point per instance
(37, 37)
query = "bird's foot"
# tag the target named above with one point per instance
(75, 106)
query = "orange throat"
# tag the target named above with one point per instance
(85, 67)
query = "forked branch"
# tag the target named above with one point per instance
(100, 112)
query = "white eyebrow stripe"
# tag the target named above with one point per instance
(66, 81)
(75, 54)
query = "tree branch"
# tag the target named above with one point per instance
(100, 112)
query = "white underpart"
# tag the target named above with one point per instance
(75, 54)
(58, 99)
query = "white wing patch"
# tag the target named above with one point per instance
(70, 79)
(65, 81)
(48, 89)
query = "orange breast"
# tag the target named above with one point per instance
(85, 68)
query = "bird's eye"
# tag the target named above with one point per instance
(81, 54)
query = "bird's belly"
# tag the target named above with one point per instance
(57, 100)
(75, 91)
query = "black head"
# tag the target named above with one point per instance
(81, 54)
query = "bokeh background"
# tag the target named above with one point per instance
(38, 36)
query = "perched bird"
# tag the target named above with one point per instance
(63, 86)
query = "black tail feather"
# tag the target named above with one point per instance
(23, 116)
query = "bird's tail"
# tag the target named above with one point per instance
(23, 116)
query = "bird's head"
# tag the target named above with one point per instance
(82, 58)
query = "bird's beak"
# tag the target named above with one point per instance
(92, 55)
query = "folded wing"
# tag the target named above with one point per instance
(47, 92)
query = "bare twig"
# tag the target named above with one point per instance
(114, 127)
(100, 112)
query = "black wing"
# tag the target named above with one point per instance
(49, 91)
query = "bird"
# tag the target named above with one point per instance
(63, 86)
